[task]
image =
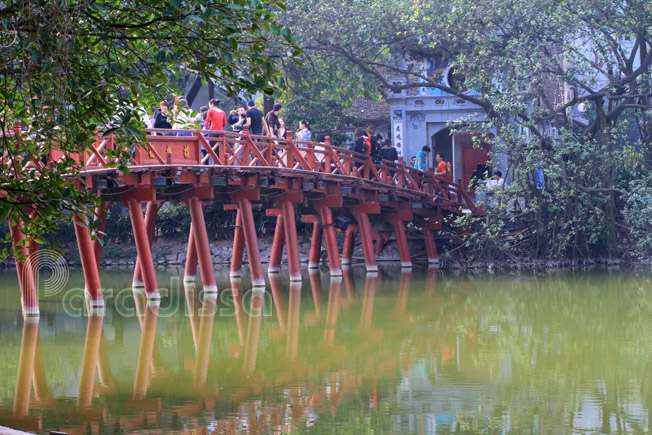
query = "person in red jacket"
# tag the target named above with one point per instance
(215, 120)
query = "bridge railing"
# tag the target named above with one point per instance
(226, 148)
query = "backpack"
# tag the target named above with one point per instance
(367, 142)
(449, 171)
(373, 149)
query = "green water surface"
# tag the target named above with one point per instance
(420, 352)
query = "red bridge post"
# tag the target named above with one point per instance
(249, 229)
(238, 246)
(431, 247)
(143, 248)
(291, 241)
(202, 245)
(328, 229)
(190, 269)
(315, 246)
(349, 242)
(24, 269)
(276, 253)
(397, 219)
(101, 211)
(362, 218)
(93, 287)
(150, 223)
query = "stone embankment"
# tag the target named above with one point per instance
(172, 252)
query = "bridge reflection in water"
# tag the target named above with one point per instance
(392, 352)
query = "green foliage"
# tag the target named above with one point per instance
(309, 96)
(68, 70)
(528, 65)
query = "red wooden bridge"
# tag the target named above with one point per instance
(283, 176)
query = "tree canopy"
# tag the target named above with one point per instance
(70, 69)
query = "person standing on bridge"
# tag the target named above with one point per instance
(304, 134)
(443, 167)
(272, 119)
(216, 118)
(359, 145)
(237, 118)
(389, 152)
(163, 116)
(422, 158)
(183, 118)
(255, 120)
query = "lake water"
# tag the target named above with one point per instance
(424, 352)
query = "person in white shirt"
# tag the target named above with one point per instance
(496, 181)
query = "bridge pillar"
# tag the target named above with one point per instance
(143, 248)
(238, 246)
(202, 245)
(291, 241)
(249, 229)
(349, 242)
(150, 223)
(190, 269)
(397, 219)
(315, 246)
(431, 247)
(367, 242)
(328, 229)
(24, 269)
(101, 213)
(93, 287)
(276, 253)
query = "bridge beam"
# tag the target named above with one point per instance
(276, 253)
(24, 269)
(202, 245)
(150, 224)
(143, 248)
(93, 287)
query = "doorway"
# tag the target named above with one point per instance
(442, 143)
(473, 154)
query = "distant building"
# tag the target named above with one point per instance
(420, 116)
(374, 113)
